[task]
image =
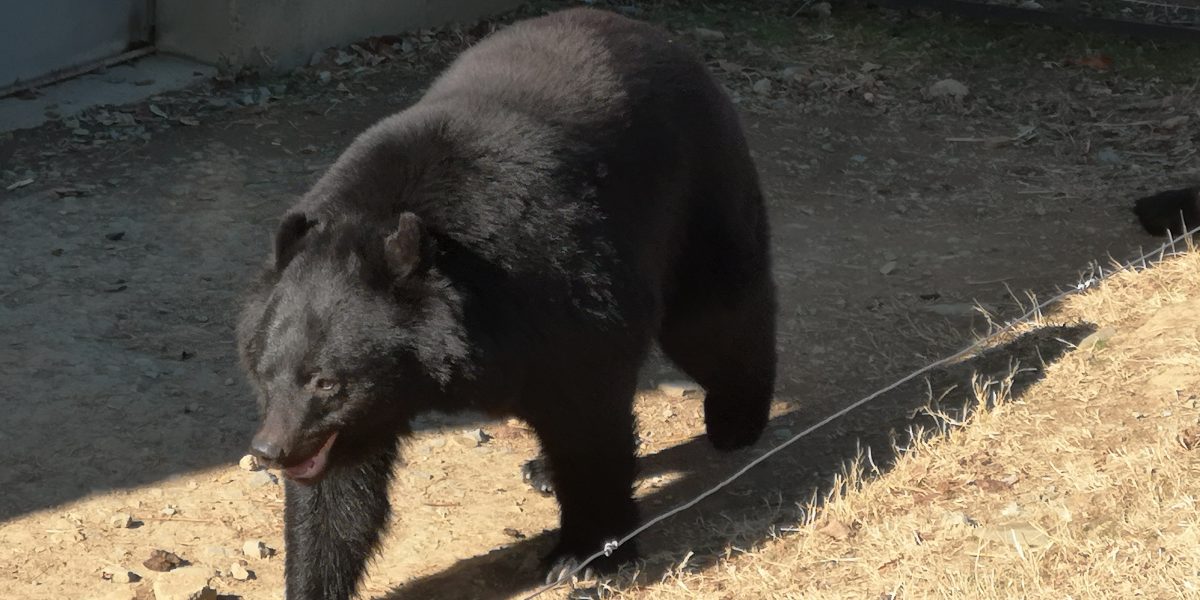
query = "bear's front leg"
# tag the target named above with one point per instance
(588, 440)
(333, 526)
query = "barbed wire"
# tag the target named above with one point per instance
(1095, 275)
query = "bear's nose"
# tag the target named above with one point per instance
(266, 450)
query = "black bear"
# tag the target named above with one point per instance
(1174, 211)
(572, 189)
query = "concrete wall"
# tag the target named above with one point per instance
(289, 31)
(43, 36)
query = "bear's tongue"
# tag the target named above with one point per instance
(313, 466)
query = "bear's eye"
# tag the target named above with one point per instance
(325, 385)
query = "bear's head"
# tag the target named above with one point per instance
(350, 333)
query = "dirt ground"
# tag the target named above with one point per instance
(914, 167)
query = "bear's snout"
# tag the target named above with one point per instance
(266, 449)
(276, 439)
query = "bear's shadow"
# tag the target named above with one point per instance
(792, 477)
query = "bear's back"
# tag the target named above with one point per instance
(574, 67)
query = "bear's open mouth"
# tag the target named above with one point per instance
(314, 465)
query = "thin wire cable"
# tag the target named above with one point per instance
(1163, 4)
(1087, 283)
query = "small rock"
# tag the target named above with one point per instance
(762, 86)
(120, 521)
(949, 88)
(324, 77)
(708, 35)
(479, 436)
(888, 268)
(169, 511)
(420, 475)
(956, 519)
(162, 561)
(256, 549)
(792, 73)
(468, 440)
(1030, 5)
(239, 572)
(188, 583)
(261, 478)
(249, 462)
(117, 593)
(119, 575)
(1021, 535)
(1011, 510)
(217, 551)
(1108, 156)
(836, 530)
(1097, 340)
(679, 389)
(514, 533)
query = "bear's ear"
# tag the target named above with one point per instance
(288, 238)
(409, 250)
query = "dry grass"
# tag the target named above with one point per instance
(1080, 488)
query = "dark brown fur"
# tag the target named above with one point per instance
(1174, 211)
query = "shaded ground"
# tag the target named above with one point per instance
(128, 234)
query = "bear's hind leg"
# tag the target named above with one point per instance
(725, 340)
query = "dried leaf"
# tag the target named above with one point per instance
(158, 111)
(1189, 438)
(1100, 62)
(987, 484)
